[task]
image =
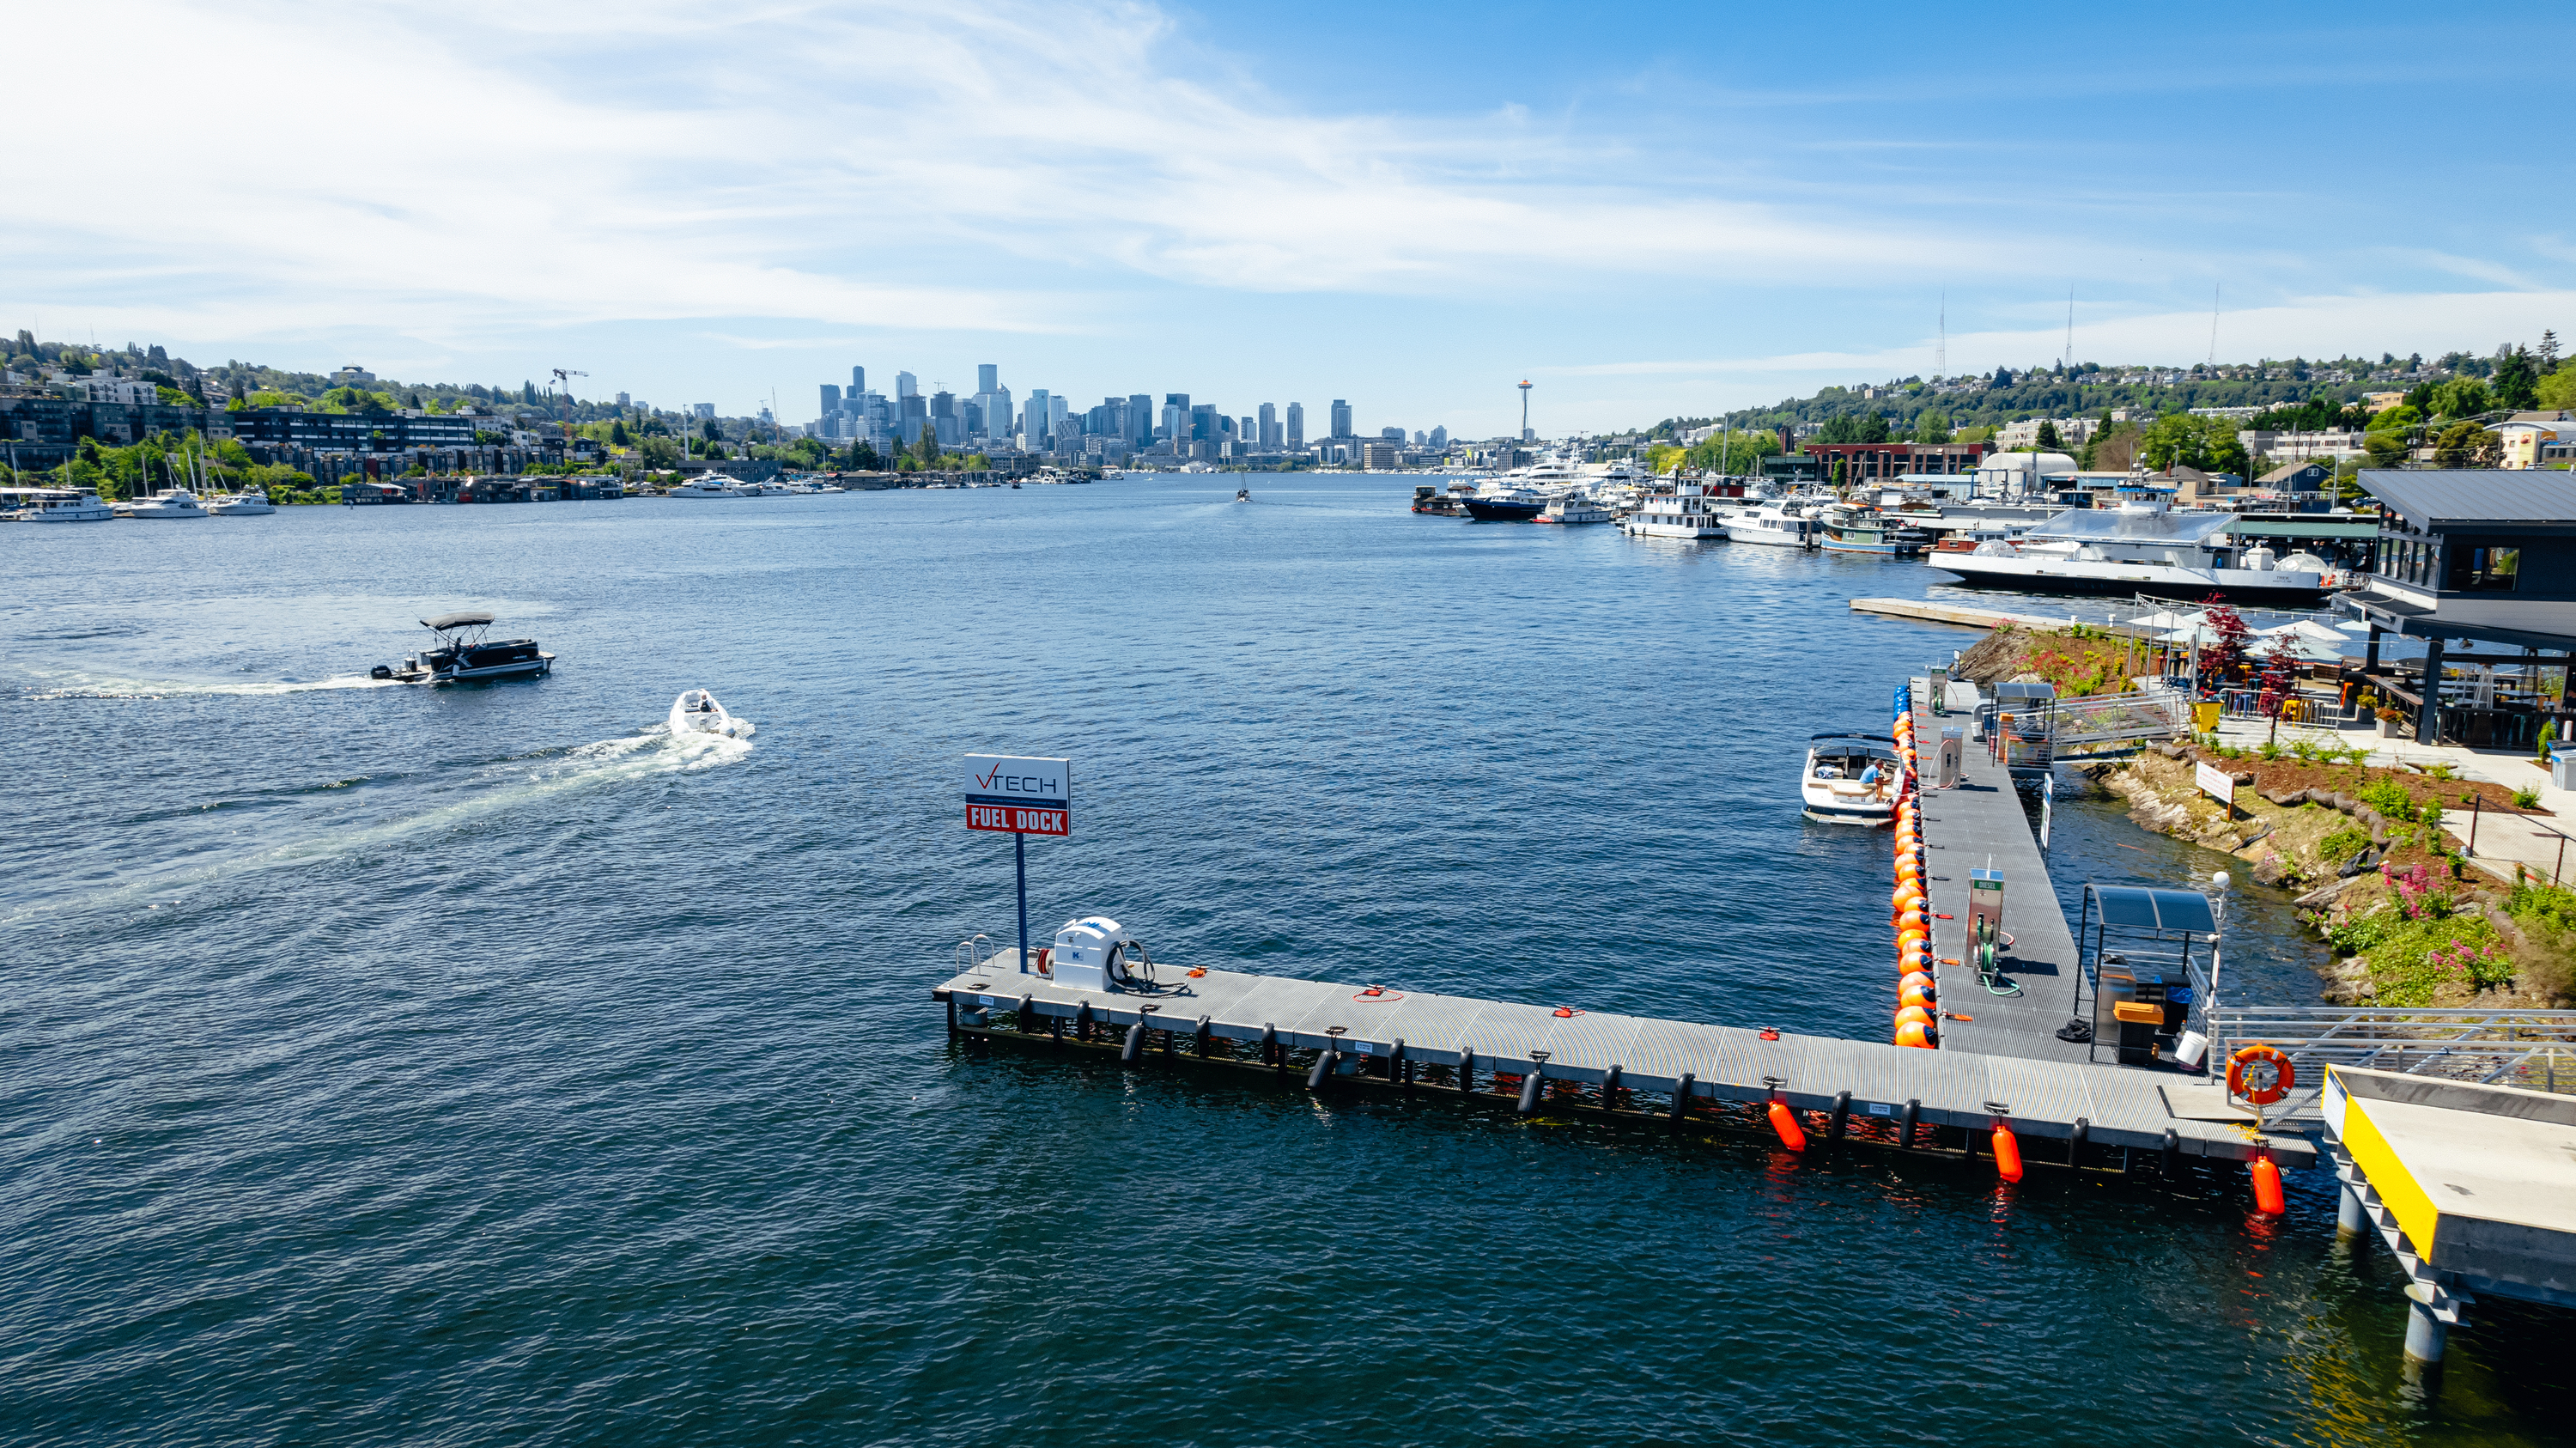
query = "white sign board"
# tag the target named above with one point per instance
(1019, 795)
(2217, 783)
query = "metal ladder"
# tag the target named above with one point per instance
(2445, 1300)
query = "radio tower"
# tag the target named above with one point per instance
(1525, 432)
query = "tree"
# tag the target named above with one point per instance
(1932, 426)
(2460, 397)
(617, 434)
(2048, 436)
(2558, 389)
(710, 431)
(2280, 675)
(864, 459)
(2386, 449)
(2467, 445)
(2223, 658)
(2516, 380)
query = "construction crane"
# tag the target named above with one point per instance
(563, 377)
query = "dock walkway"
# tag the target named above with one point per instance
(1980, 824)
(1721, 1063)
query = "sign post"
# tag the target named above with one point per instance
(1021, 796)
(2217, 783)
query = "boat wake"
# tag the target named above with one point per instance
(92, 686)
(347, 819)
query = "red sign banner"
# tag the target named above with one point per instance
(1019, 819)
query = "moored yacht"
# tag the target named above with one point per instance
(240, 505)
(1854, 528)
(1850, 779)
(1573, 508)
(705, 485)
(167, 503)
(53, 505)
(1494, 504)
(2137, 549)
(1772, 525)
(1686, 512)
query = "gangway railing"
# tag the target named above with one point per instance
(2101, 722)
(2532, 1049)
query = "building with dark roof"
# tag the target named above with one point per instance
(2485, 556)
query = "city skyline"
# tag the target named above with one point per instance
(1130, 191)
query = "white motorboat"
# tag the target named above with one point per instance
(1850, 779)
(2141, 549)
(1774, 526)
(705, 485)
(1572, 509)
(1243, 495)
(460, 653)
(696, 711)
(1688, 511)
(167, 503)
(53, 505)
(240, 505)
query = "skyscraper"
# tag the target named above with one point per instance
(1176, 416)
(997, 415)
(831, 400)
(906, 385)
(1341, 418)
(858, 381)
(1296, 427)
(1140, 418)
(987, 376)
(1440, 436)
(1269, 434)
(1035, 417)
(1247, 431)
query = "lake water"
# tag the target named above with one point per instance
(479, 1066)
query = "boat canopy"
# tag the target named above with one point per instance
(446, 621)
(2111, 525)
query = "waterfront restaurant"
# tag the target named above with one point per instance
(2482, 559)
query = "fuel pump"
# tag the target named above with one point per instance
(1951, 758)
(1986, 938)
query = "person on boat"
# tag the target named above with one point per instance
(706, 703)
(1870, 775)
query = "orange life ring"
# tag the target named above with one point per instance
(2260, 1074)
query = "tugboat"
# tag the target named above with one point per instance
(460, 653)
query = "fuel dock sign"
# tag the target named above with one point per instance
(1019, 795)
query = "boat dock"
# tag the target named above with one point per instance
(1928, 611)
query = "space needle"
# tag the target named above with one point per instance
(1525, 432)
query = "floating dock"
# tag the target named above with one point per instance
(1928, 611)
(1558, 1058)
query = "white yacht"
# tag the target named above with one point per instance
(2141, 548)
(1774, 525)
(1850, 779)
(1572, 509)
(697, 712)
(1687, 511)
(53, 505)
(167, 503)
(706, 485)
(240, 505)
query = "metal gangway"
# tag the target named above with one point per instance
(2104, 724)
(2532, 1049)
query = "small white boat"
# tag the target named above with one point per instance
(240, 505)
(697, 712)
(53, 505)
(167, 503)
(1573, 510)
(1774, 525)
(1850, 779)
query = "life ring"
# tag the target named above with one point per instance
(2260, 1075)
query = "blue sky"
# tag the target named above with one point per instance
(1646, 210)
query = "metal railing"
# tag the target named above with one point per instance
(973, 951)
(2088, 724)
(2535, 1050)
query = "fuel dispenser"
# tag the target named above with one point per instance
(1938, 680)
(1986, 923)
(1951, 758)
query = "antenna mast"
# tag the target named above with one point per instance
(1941, 353)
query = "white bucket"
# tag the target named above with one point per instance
(2191, 1050)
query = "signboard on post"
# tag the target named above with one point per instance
(1020, 795)
(2217, 783)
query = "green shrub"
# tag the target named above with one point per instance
(2270, 749)
(2304, 751)
(2389, 798)
(2550, 905)
(2410, 958)
(2439, 771)
(2344, 843)
(2358, 754)
(2526, 799)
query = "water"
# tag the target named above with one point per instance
(387, 1064)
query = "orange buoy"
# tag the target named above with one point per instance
(1922, 978)
(2267, 1188)
(2007, 1153)
(1911, 1033)
(1785, 1122)
(1916, 1014)
(1914, 995)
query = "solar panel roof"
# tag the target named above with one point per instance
(2139, 907)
